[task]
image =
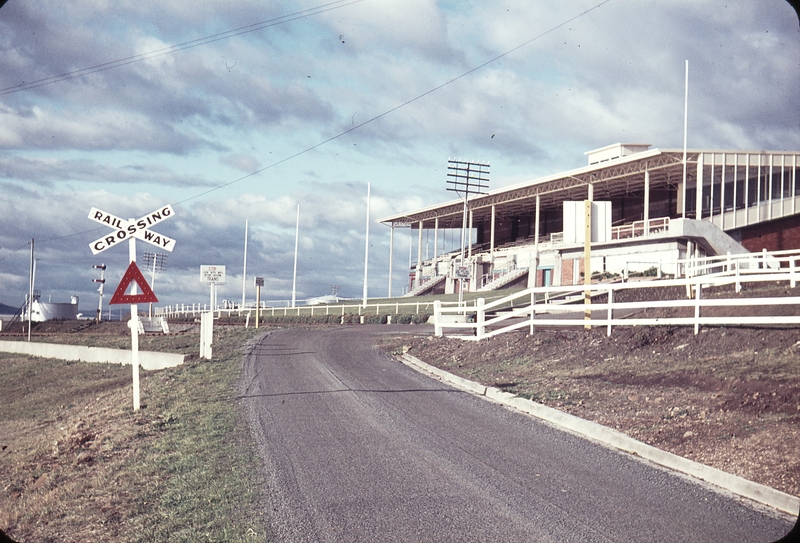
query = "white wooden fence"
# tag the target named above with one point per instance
(555, 306)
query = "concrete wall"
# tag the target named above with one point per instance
(148, 360)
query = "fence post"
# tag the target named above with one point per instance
(697, 289)
(610, 311)
(533, 311)
(437, 318)
(792, 280)
(480, 319)
(738, 282)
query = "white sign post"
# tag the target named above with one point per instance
(132, 229)
(213, 276)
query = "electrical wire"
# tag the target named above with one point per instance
(395, 108)
(250, 28)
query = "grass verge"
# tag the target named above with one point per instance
(79, 465)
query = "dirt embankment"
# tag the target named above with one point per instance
(728, 397)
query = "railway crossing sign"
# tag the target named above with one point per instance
(131, 230)
(133, 274)
(139, 229)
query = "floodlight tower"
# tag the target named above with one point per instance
(102, 281)
(154, 262)
(465, 179)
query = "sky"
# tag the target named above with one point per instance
(237, 113)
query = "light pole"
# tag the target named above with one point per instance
(102, 281)
(466, 178)
(154, 262)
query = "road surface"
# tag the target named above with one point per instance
(358, 447)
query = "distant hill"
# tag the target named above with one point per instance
(7, 309)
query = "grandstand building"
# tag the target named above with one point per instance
(649, 208)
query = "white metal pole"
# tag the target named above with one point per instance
(685, 132)
(391, 257)
(244, 266)
(296, 244)
(366, 249)
(134, 326)
(30, 293)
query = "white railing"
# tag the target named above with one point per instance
(520, 310)
(393, 308)
(638, 229)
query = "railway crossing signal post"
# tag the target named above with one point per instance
(102, 280)
(131, 230)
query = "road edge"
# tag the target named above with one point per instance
(759, 493)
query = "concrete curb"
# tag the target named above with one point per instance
(148, 360)
(612, 438)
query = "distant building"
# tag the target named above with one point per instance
(47, 311)
(643, 215)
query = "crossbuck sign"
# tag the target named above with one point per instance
(138, 229)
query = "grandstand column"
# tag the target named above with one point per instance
(646, 216)
(419, 253)
(435, 238)
(491, 236)
(722, 193)
(469, 235)
(534, 266)
(698, 204)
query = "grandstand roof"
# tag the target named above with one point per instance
(614, 170)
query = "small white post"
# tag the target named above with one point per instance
(480, 319)
(792, 281)
(533, 311)
(738, 282)
(697, 290)
(437, 318)
(610, 311)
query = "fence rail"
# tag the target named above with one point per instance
(520, 310)
(395, 308)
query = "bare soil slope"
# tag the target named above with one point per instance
(728, 397)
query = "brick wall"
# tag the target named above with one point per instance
(776, 235)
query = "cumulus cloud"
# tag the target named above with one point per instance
(248, 124)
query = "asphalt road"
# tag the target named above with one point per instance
(358, 447)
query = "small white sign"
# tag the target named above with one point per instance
(462, 272)
(212, 275)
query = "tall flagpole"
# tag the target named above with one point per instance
(685, 131)
(244, 268)
(366, 250)
(296, 242)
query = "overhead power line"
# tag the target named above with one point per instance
(395, 108)
(287, 18)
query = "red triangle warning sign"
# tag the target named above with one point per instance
(133, 274)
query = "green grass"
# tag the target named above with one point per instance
(79, 465)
